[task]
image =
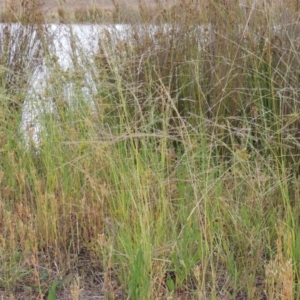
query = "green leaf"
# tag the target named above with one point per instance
(171, 285)
(52, 292)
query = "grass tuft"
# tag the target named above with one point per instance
(164, 166)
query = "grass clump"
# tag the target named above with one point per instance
(25, 12)
(93, 15)
(62, 15)
(167, 165)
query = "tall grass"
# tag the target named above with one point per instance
(174, 177)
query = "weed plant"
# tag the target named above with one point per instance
(179, 181)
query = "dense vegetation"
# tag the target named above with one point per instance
(177, 179)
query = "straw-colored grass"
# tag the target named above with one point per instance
(178, 180)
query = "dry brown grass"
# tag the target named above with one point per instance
(26, 12)
(174, 184)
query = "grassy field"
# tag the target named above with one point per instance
(84, 10)
(179, 181)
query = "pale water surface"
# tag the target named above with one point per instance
(72, 49)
